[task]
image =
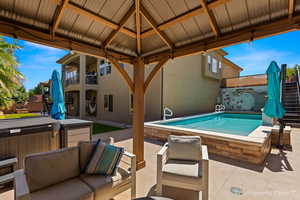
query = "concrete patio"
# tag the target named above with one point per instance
(278, 178)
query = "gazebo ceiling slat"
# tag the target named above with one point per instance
(122, 23)
(164, 23)
(58, 16)
(152, 43)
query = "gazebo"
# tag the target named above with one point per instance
(140, 32)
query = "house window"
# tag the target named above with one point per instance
(214, 67)
(108, 102)
(105, 68)
(209, 64)
(213, 64)
(108, 68)
(131, 103)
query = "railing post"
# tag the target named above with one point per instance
(281, 121)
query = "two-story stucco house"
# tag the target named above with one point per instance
(94, 89)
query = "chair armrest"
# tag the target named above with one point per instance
(163, 150)
(132, 163)
(109, 140)
(204, 153)
(205, 165)
(162, 155)
(132, 158)
(21, 186)
(9, 162)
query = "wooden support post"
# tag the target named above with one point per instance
(138, 112)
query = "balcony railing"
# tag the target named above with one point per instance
(91, 78)
(72, 80)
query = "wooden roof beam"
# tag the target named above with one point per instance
(185, 16)
(123, 73)
(138, 26)
(31, 34)
(122, 23)
(153, 23)
(291, 8)
(154, 71)
(235, 37)
(58, 16)
(212, 20)
(93, 16)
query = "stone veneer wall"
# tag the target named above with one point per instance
(250, 99)
(232, 149)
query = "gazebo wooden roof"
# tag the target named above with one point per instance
(145, 31)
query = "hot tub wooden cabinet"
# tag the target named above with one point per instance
(74, 131)
(253, 148)
(19, 137)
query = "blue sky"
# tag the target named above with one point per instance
(37, 61)
(255, 56)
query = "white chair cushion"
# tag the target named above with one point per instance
(184, 147)
(182, 168)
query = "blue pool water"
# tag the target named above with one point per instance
(237, 124)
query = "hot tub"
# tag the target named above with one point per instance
(235, 135)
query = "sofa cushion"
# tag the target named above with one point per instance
(103, 186)
(182, 171)
(45, 169)
(105, 159)
(85, 153)
(73, 189)
(184, 147)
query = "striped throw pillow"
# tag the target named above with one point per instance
(105, 159)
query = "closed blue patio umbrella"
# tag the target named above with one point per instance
(273, 107)
(58, 107)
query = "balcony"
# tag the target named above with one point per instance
(72, 80)
(91, 78)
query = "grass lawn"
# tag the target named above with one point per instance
(101, 128)
(21, 115)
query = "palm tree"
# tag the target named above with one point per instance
(10, 77)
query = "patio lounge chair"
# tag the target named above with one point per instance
(58, 175)
(183, 163)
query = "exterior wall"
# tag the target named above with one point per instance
(244, 98)
(229, 72)
(153, 96)
(115, 85)
(188, 88)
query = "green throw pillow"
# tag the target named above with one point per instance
(105, 159)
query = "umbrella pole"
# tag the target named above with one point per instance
(281, 128)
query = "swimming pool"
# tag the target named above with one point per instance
(237, 124)
(234, 135)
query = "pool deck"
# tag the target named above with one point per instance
(276, 179)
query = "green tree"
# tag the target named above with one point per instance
(20, 95)
(36, 90)
(10, 77)
(292, 71)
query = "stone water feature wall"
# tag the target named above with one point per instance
(250, 98)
